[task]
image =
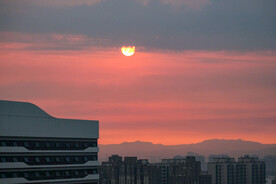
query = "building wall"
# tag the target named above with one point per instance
(248, 170)
(36, 147)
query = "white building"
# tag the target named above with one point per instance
(223, 171)
(38, 148)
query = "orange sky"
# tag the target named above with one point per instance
(158, 96)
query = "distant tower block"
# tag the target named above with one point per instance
(38, 148)
(248, 170)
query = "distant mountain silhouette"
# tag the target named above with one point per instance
(156, 152)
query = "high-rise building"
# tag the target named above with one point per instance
(38, 148)
(204, 178)
(222, 170)
(169, 171)
(250, 170)
(129, 171)
(183, 171)
(247, 170)
(270, 162)
(200, 158)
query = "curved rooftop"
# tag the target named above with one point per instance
(14, 108)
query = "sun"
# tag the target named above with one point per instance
(128, 51)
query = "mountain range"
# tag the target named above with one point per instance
(156, 152)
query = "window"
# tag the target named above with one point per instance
(14, 159)
(14, 144)
(67, 173)
(26, 159)
(48, 159)
(47, 145)
(76, 173)
(37, 174)
(57, 173)
(3, 175)
(37, 159)
(76, 145)
(57, 159)
(67, 145)
(37, 144)
(57, 145)
(3, 159)
(76, 159)
(47, 174)
(26, 175)
(67, 159)
(14, 175)
(85, 159)
(85, 172)
(26, 144)
(3, 143)
(85, 145)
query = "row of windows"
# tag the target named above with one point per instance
(46, 175)
(49, 160)
(48, 145)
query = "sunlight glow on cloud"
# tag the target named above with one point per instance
(187, 95)
(53, 41)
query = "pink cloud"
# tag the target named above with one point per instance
(188, 96)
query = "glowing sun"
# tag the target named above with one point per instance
(128, 51)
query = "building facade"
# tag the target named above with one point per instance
(222, 170)
(250, 170)
(128, 171)
(183, 171)
(38, 148)
(169, 171)
(247, 170)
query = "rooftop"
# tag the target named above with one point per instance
(14, 108)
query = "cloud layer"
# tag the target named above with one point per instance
(153, 24)
(162, 97)
(203, 68)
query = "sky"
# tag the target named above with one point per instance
(203, 69)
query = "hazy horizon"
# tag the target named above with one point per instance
(193, 142)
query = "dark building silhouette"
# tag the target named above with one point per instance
(270, 161)
(204, 178)
(169, 171)
(38, 148)
(200, 158)
(128, 171)
(110, 171)
(247, 170)
(183, 171)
